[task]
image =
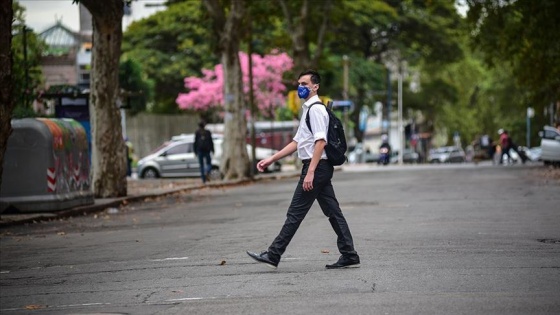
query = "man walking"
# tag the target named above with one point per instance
(504, 144)
(203, 146)
(314, 182)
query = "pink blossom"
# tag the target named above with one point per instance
(269, 91)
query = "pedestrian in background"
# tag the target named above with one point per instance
(314, 182)
(203, 148)
(504, 145)
(513, 146)
(129, 156)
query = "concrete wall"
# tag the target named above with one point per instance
(149, 131)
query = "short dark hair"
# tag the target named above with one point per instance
(201, 124)
(315, 77)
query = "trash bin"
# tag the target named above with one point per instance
(46, 166)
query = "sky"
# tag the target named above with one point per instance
(42, 14)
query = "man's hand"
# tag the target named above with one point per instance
(308, 181)
(263, 164)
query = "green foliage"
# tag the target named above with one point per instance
(456, 91)
(283, 114)
(170, 45)
(23, 112)
(523, 36)
(137, 90)
(374, 33)
(367, 27)
(26, 70)
(430, 30)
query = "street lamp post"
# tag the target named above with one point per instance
(530, 114)
(345, 61)
(26, 67)
(400, 118)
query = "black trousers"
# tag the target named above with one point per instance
(301, 203)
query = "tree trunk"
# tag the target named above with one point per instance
(108, 147)
(235, 160)
(298, 32)
(6, 98)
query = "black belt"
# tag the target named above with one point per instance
(307, 161)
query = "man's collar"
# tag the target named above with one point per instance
(313, 99)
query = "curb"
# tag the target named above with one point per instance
(104, 203)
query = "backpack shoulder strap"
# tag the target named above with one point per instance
(307, 116)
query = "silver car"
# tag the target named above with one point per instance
(176, 158)
(550, 145)
(447, 155)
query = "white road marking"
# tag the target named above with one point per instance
(186, 299)
(171, 258)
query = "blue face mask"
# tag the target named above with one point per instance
(303, 91)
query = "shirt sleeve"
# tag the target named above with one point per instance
(319, 121)
(297, 136)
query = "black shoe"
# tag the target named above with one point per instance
(263, 258)
(344, 262)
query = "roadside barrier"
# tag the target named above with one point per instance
(46, 166)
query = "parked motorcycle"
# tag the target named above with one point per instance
(384, 156)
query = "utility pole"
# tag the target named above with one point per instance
(345, 76)
(389, 104)
(26, 67)
(400, 118)
(530, 114)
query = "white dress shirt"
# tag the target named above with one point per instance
(319, 121)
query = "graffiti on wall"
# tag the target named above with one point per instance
(69, 170)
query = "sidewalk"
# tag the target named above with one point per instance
(138, 190)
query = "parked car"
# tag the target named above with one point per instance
(550, 145)
(355, 153)
(410, 157)
(176, 158)
(534, 154)
(449, 154)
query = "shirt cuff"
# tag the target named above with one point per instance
(320, 135)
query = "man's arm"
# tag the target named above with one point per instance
(211, 142)
(290, 148)
(195, 144)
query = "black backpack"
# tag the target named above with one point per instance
(205, 141)
(336, 145)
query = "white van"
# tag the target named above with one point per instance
(550, 146)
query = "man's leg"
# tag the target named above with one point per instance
(331, 208)
(201, 164)
(299, 207)
(208, 165)
(509, 160)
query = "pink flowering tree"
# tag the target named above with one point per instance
(206, 93)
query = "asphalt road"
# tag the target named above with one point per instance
(433, 240)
